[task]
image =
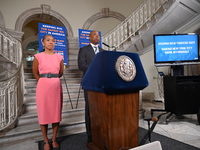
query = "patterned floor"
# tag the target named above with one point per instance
(185, 128)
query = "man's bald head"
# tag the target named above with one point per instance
(94, 37)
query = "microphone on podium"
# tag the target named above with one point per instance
(105, 44)
(109, 46)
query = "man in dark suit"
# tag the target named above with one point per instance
(85, 57)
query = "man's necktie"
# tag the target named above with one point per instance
(95, 49)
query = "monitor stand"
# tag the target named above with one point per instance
(177, 70)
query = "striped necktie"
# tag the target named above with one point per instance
(95, 49)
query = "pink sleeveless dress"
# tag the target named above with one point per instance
(49, 96)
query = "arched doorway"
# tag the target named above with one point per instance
(30, 43)
(28, 21)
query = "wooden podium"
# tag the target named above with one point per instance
(113, 102)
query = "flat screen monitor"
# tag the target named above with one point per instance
(176, 49)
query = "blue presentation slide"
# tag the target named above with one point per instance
(84, 37)
(176, 48)
(59, 34)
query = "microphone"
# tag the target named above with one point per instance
(105, 44)
(154, 119)
(109, 46)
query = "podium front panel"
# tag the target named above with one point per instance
(114, 120)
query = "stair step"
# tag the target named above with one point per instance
(29, 107)
(167, 5)
(33, 82)
(67, 127)
(150, 23)
(73, 96)
(31, 90)
(32, 118)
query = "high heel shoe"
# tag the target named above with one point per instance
(49, 145)
(55, 148)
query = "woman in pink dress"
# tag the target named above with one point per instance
(47, 69)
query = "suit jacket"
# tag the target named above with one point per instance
(85, 57)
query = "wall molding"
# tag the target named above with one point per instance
(105, 13)
(44, 13)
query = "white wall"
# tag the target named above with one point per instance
(76, 12)
(151, 70)
(148, 65)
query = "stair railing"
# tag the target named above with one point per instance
(10, 48)
(131, 25)
(10, 88)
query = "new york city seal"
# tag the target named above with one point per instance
(125, 68)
